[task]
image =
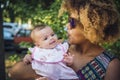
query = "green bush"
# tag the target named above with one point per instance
(113, 47)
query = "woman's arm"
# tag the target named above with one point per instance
(22, 71)
(113, 70)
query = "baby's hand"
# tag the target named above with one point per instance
(27, 58)
(68, 59)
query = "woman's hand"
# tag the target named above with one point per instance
(68, 59)
(41, 78)
(27, 59)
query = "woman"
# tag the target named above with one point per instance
(91, 22)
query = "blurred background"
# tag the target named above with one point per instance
(17, 18)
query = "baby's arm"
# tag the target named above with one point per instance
(68, 59)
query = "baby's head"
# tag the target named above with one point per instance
(44, 37)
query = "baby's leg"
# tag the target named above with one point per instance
(22, 71)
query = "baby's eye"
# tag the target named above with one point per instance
(52, 34)
(45, 38)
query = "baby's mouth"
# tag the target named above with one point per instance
(52, 42)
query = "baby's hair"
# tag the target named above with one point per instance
(35, 29)
(100, 18)
(39, 27)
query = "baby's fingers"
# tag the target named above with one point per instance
(69, 54)
(65, 55)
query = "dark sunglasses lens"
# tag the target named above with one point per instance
(72, 23)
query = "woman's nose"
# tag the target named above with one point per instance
(68, 26)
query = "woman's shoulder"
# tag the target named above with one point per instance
(107, 55)
(105, 58)
(115, 62)
(113, 70)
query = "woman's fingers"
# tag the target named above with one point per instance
(42, 78)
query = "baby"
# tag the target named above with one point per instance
(48, 54)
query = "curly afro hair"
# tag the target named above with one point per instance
(100, 18)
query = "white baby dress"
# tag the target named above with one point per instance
(48, 63)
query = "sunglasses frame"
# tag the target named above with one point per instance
(72, 22)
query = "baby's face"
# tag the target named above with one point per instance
(46, 38)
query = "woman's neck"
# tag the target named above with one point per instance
(88, 48)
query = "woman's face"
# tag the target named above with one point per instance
(75, 34)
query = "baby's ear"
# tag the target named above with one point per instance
(36, 44)
(60, 40)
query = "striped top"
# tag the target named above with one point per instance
(96, 69)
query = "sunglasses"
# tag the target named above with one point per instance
(72, 22)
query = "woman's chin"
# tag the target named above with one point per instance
(70, 42)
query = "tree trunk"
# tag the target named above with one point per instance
(11, 15)
(2, 55)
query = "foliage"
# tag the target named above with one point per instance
(37, 13)
(118, 4)
(26, 45)
(14, 58)
(50, 17)
(23, 9)
(113, 47)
